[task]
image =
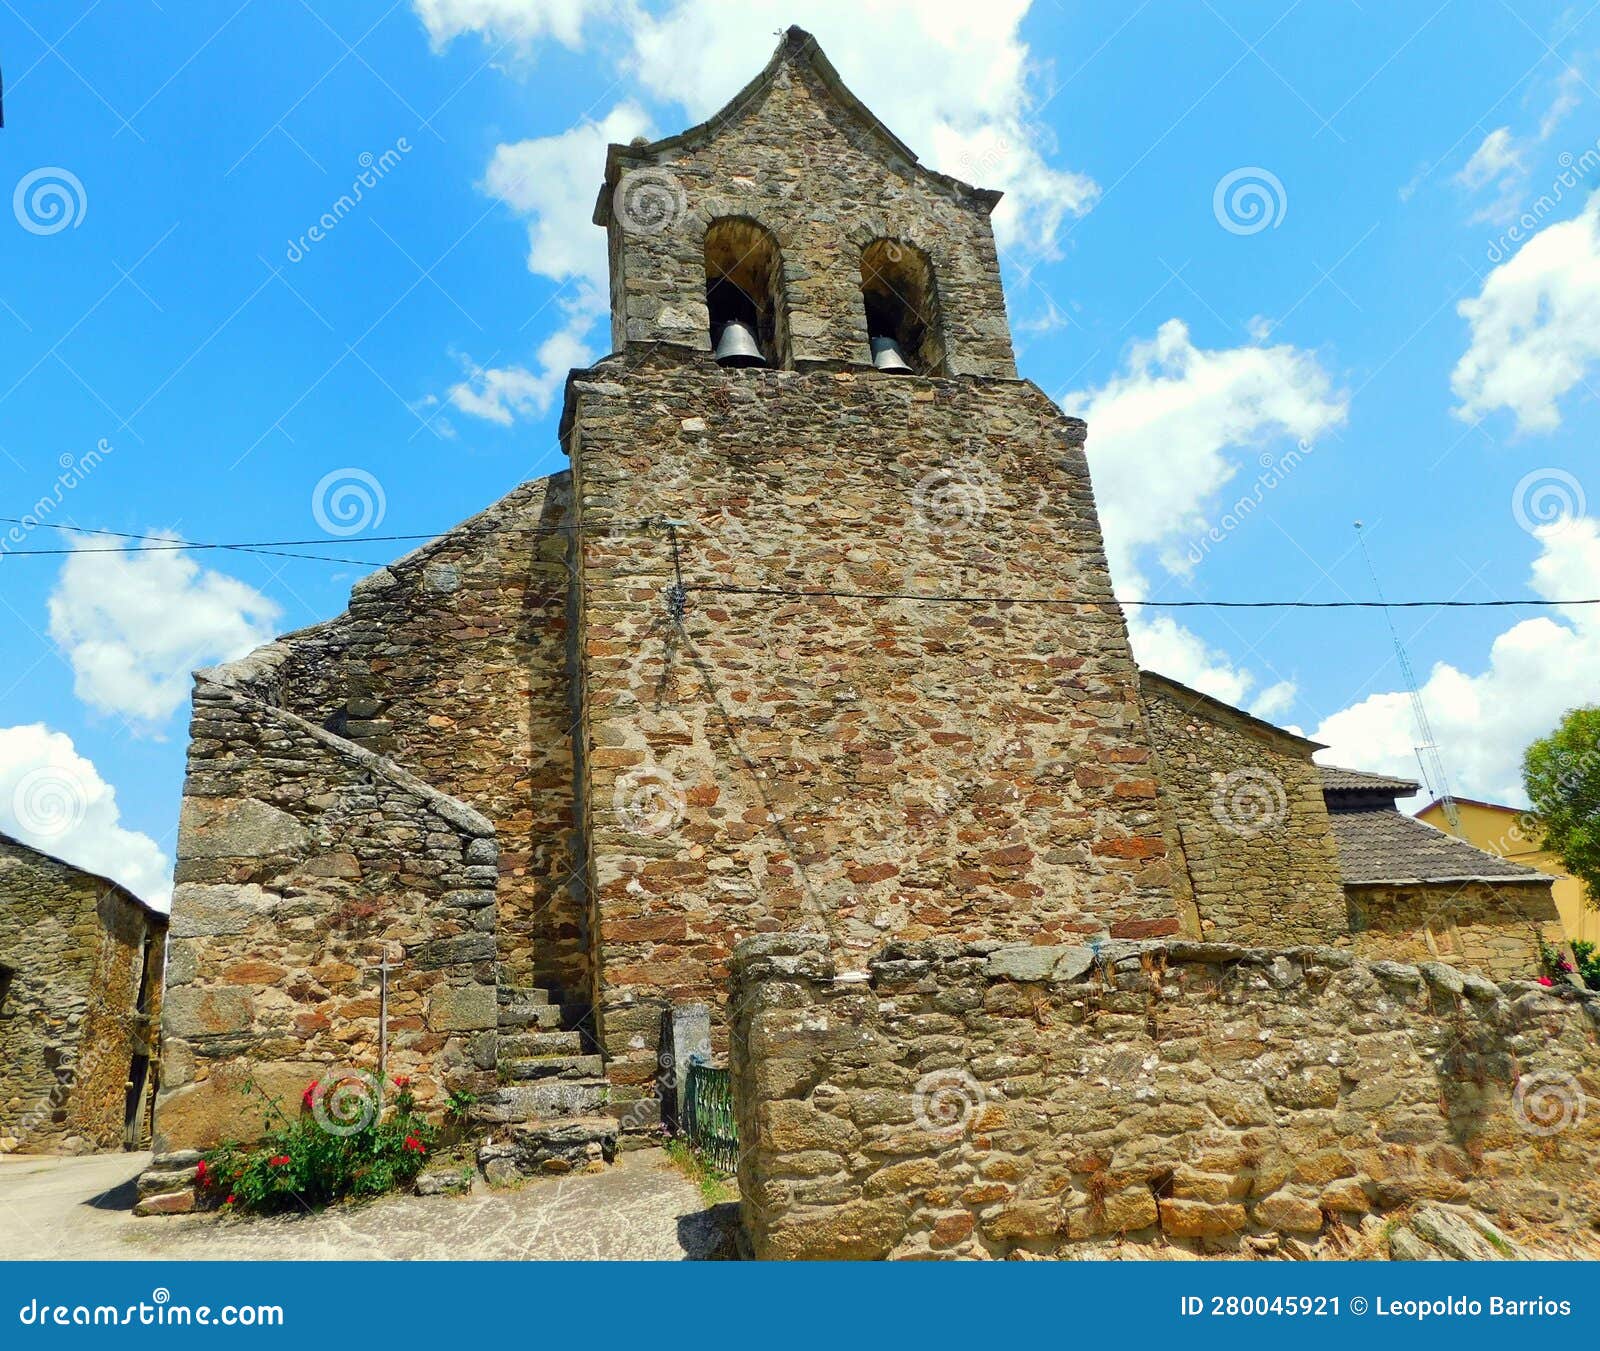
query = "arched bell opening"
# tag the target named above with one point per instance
(744, 294)
(902, 303)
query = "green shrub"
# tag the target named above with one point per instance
(341, 1145)
(1588, 962)
(458, 1107)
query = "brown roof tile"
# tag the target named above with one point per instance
(1336, 779)
(1379, 844)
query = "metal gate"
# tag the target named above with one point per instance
(708, 1117)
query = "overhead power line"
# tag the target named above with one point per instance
(146, 543)
(1001, 599)
(160, 542)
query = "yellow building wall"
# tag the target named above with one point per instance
(1500, 831)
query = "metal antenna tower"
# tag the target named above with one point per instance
(1427, 749)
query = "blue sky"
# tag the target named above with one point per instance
(181, 356)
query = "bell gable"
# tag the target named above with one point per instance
(843, 243)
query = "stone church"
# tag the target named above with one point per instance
(816, 633)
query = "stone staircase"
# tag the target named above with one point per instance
(548, 1115)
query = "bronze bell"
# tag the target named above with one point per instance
(888, 358)
(738, 346)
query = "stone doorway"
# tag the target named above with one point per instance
(133, 1108)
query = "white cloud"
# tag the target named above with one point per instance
(498, 393)
(1167, 434)
(54, 799)
(1162, 644)
(134, 625)
(520, 22)
(1498, 163)
(1568, 97)
(954, 80)
(552, 180)
(1535, 325)
(504, 393)
(1495, 156)
(1047, 318)
(436, 422)
(1276, 700)
(1537, 669)
(1175, 427)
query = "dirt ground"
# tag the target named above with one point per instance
(639, 1209)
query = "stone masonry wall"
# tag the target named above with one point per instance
(71, 1024)
(1494, 928)
(869, 768)
(792, 156)
(302, 860)
(1252, 826)
(980, 1101)
(118, 1027)
(454, 662)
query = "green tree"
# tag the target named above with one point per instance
(1561, 773)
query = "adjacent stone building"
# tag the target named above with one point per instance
(1247, 823)
(80, 995)
(1416, 894)
(796, 643)
(1272, 849)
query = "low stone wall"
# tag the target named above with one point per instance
(303, 859)
(984, 1101)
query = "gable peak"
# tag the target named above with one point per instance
(797, 50)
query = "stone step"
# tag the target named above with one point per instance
(542, 1148)
(519, 1044)
(547, 1016)
(524, 994)
(522, 1068)
(574, 1016)
(541, 1100)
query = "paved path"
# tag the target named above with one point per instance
(640, 1209)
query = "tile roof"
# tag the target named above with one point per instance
(1379, 844)
(1338, 780)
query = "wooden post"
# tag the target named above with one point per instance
(383, 969)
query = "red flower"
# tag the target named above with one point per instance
(1545, 980)
(278, 1160)
(415, 1145)
(200, 1175)
(309, 1096)
(229, 1201)
(402, 1081)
